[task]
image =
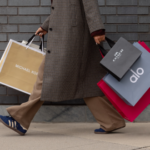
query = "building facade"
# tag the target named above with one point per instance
(19, 19)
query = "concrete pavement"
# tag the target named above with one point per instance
(76, 136)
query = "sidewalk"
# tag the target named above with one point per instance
(76, 136)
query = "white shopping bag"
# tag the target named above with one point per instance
(19, 65)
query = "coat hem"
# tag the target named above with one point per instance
(87, 96)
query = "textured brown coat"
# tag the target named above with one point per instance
(72, 67)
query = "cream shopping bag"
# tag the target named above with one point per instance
(19, 66)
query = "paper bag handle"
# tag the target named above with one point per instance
(32, 39)
(101, 48)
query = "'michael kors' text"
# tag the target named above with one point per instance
(26, 69)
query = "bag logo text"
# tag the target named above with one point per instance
(136, 75)
(118, 55)
(26, 69)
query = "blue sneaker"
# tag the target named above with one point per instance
(99, 131)
(11, 123)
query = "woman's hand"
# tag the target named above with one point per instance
(42, 32)
(98, 39)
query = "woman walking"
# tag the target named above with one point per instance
(70, 69)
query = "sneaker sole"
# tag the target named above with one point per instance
(108, 131)
(11, 128)
(100, 132)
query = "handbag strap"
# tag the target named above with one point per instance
(110, 42)
(31, 39)
(42, 43)
(101, 48)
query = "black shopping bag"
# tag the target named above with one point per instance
(120, 57)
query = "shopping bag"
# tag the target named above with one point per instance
(37, 47)
(130, 113)
(120, 57)
(144, 46)
(19, 65)
(34, 46)
(136, 82)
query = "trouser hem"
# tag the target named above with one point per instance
(18, 120)
(117, 127)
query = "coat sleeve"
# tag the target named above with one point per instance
(45, 24)
(98, 33)
(92, 14)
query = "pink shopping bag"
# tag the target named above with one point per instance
(144, 45)
(130, 113)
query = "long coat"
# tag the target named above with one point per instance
(72, 67)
